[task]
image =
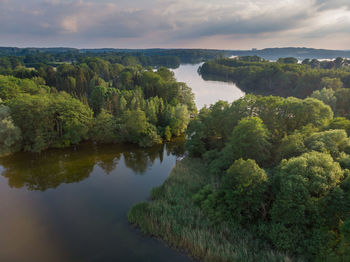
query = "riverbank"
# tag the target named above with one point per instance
(174, 217)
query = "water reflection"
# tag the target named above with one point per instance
(72, 203)
(54, 167)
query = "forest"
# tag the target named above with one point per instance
(285, 77)
(93, 99)
(276, 167)
(271, 168)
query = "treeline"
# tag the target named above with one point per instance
(15, 58)
(280, 168)
(284, 78)
(95, 99)
(8, 63)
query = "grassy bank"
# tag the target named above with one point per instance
(173, 217)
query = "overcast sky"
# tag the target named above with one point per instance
(221, 24)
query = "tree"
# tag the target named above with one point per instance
(10, 135)
(300, 184)
(133, 127)
(239, 198)
(250, 140)
(104, 128)
(287, 60)
(50, 120)
(340, 123)
(326, 95)
(332, 141)
(97, 98)
(331, 83)
(290, 146)
(179, 122)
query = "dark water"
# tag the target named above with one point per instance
(71, 204)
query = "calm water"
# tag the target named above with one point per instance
(206, 92)
(72, 204)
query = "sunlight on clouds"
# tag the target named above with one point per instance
(175, 23)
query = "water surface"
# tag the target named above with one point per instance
(206, 92)
(71, 204)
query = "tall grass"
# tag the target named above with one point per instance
(173, 216)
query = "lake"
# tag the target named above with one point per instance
(71, 204)
(206, 92)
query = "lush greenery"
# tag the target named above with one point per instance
(91, 99)
(174, 216)
(283, 78)
(280, 167)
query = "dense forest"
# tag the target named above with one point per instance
(285, 77)
(281, 168)
(277, 167)
(94, 99)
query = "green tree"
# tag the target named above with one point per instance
(332, 141)
(326, 95)
(300, 184)
(331, 83)
(104, 128)
(340, 123)
(10, 135)
(97, 98)
(250, 140)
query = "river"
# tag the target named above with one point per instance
(71, 204)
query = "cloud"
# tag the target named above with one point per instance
(146, 23)
(332, 4)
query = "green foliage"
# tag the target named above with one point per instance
(331, 83)
(340, 123)
(239, 198)
(111, 90)
(332, 141)
(301, 198)
(284, 78)
(103, 128)
(50, 120)
(287, 60)
(290, 146)
(10, 135)
(326, 95)
(250, 140)
(167, 133)
(301, 184)
(133, 127)
(11, 87)
(97, 98)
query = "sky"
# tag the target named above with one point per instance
(215, 24)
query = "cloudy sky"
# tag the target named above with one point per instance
(222, 24)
